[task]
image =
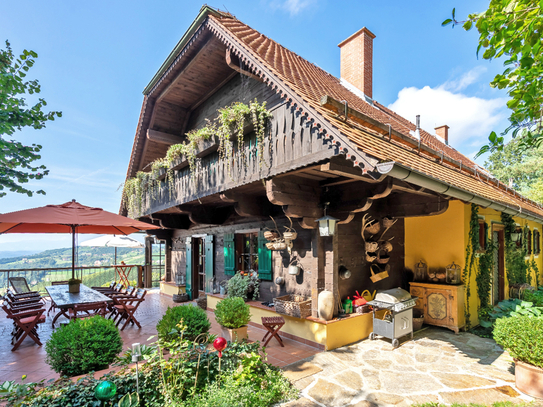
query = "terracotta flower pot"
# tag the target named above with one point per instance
(235, 335)
(529, 379)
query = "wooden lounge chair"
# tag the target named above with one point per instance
(21, 288)
(125, 307)
(26, 323)
(109, 288)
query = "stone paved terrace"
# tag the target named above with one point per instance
(29, 359)
(437, 366)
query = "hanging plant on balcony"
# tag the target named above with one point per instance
(230, 121)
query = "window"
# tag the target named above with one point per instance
(246, 251)
(528, 236)
(536, 242)
(483, 232)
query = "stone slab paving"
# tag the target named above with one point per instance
(437, 366)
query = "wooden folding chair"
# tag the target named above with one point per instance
(89, 310)
(53, 306)
(272, 325)
(109, 288)
(26, 323)
(126, 307)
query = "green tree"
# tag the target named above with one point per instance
(512, 29)
(16, 159)
(521, 169)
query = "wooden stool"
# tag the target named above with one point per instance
(273, 325)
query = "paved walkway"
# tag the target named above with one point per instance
(29, 359)
(437, 366)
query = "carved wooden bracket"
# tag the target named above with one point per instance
(382, 192)
(247, 206)
(297, 200)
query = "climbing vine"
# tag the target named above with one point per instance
(535, 269)
(471, 251)
(484, 272)
(515, 256)
(231, 120)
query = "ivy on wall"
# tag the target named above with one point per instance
(484, 272)
(518, 270)
(471, 251)
(231, 120)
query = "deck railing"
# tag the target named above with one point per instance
(39, 278)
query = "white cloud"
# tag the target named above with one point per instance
(470, 118)
(293, 7)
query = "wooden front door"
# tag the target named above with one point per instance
(498, 278)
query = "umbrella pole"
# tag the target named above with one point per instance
(73, 251)
(115, 255)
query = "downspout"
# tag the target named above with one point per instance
(396, 171)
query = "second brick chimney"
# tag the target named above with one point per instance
(357, 60)
(443, 132)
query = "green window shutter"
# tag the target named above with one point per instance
(264, 258)
(188, 253)
(209, 264)
(229, 254)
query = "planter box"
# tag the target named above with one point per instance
(235, 335)
(529, 379)
(73, 288)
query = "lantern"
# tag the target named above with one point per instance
(105, 390)
(421, 270)
(327, 224)
(516, 236)
(453, 274)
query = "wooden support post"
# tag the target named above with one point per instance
(148, 274)
(168, 259)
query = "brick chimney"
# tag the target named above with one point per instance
(357, 60)
(443, 132)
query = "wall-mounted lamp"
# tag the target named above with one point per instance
(327, 224)
(516, 235)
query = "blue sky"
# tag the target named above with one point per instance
(95, 58)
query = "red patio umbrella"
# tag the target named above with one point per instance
(71, 217)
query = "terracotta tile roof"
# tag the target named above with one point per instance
(311, 83)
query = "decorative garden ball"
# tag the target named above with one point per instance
(220, 344)
(105, 390)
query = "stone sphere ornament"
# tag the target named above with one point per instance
(220, 344)
(105, 391)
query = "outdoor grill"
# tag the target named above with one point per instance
(397, 320)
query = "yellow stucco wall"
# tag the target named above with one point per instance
(439, 240)
(331, 335)
(171, 289)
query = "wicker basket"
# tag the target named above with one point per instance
(362, 309)
(373, 227)
(290, 235)
(293, 305)
(271, 235)
(372, 247)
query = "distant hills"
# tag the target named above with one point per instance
(16, 253)
(88, 256)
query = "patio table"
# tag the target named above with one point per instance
(65, 300)
(123, 270)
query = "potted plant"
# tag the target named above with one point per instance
(522, 336)
(73, 285)
(233, 315)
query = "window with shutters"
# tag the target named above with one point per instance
(536, 242)
(247, 251)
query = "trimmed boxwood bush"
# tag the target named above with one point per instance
(522, 336)
(232, 313)
(193, 317)
(84, 345)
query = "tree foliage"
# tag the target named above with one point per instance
(521, 169)
(16, 159)
(512, 29)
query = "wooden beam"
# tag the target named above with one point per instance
(233, 62)
(163, 138)
(247, 206)
(409, 205)
(380, 193)
(349, 171)
(308, 223)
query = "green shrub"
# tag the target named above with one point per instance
(83, 345)
(233, 313)
(193, 317)
(522, 337)
(534, 296)
(239, 286)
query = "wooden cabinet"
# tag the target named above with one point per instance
(442, 305)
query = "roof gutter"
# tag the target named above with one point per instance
(395, 170)
(204, 12)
